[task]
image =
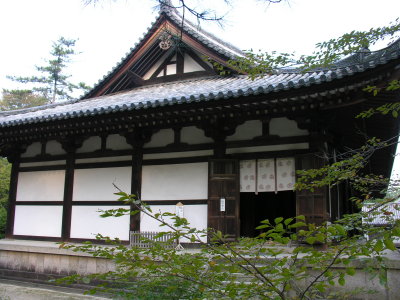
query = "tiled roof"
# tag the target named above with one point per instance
(197, 90)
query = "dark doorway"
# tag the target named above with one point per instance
(255, 208)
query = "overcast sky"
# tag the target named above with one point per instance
(108, 30)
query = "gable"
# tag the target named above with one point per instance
(179, 62)
(171, 50)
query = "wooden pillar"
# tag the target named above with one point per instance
(218, 130)
(179, 62)
(137, 139)
(12, 195)
(70, 146)
(219, 146)
(13, 154)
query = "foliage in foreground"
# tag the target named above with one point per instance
(252, 268)
(5, 170)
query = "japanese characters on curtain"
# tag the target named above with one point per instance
(248, 176)
(285, 174)
(267, 175)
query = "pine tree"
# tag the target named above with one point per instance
(53, 83)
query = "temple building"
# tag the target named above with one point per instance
(165, 125)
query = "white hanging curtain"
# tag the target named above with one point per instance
(285, 174)
(248, 176)
(267, 175)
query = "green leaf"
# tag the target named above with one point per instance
(297, 225)
(86, 280)
(389, 244)
(263, 226)
(288, 221)
(340, 229)
(311, 240)
(279, 227)
(278, 220)
(342, 281)
(350, 271)
(378, 247)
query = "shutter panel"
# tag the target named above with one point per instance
(224, 183)
(311, 204)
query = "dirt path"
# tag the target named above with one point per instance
(18, 290)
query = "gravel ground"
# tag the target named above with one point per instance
(18, 290)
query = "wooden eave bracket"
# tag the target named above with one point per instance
(136, 79)
(12, 151)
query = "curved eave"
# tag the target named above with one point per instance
(291, 86)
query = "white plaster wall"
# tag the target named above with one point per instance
(268, 148)
(32, 150)
(117, 142)
(86, 223)
(91, 144)
(54, 148)
(171, 69)
(178, 154)
(161, 138)
(285, 127)
(246, 131)
(195, 214)
(175, 182)
(104, 159)
(41, 186)
(38, 220)
(194, 135)
(190, 65)
(43, 163)
(97, 184)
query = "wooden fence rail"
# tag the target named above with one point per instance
(145, 239)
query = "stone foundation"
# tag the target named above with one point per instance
(40, 260)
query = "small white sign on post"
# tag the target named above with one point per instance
(222, 204)
(179, 209)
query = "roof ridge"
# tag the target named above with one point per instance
(173, 13)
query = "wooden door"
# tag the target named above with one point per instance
(223, 184)
(311, 204)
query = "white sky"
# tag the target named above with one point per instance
(107, 31)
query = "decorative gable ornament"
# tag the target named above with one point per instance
(165, 41)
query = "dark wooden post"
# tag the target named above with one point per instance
(137, 139)
(218, 130)
(70, 145)
(13, 156)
